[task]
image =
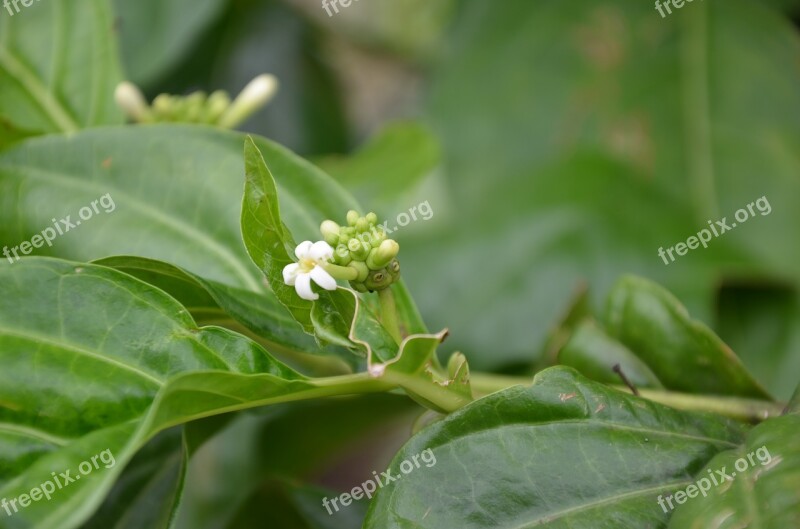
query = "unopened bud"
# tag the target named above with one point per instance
(216, 105)
(362, 270)
(254, 96)
(330, 232)
(352, 217)
(132, 102)
(383, 254)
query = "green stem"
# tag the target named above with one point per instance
(345, 273)
(750, 410)
(445, 400)
(389, 314)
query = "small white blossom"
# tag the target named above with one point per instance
(310, 258)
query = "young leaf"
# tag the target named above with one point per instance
(683, 353)
(563, 452)
(592, 352)
(267, 240)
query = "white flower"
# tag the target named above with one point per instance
(255, 95)
(310, 257)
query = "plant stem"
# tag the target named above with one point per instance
(447, 401)
(389, 313)
(750, 410)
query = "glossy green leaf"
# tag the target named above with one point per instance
(341, 317)
(564, 452)
(257, 314)
(266, 238)
(177, 194)
(756, 485)
(594, 354)
(683, 353)
(156, 34)
(123, 361)
(58, 66)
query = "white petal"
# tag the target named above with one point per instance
(323, 278)
(321, 251)
(302, 249)
(290, 273)
(303, 287)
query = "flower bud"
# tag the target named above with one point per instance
(372, 218)
(195, 104)
(358, 249)
(362, 225)
(352, 217)
(254, 96)
(330, 232)
(216, 105)
(381, 256)
(362, 270)
(455, 363)
(341, 255)
(162, 106)
(132, 102)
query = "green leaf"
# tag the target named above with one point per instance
(594, 354)
(58, 67)
(156, 34)
(177, 192)
(341, 317)
(683, 353)
(259, 315)
(267, 240)
(96, 360)
(500, 462)
(756, 485)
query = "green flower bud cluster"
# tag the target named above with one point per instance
(194, 108)
(363, 245)
(216, 109)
